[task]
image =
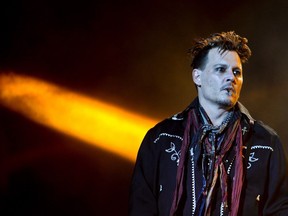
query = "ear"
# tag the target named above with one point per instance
(196, 75)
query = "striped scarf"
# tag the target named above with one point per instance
(213, 169)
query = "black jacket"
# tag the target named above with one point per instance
(265, 189)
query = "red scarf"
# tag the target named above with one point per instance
(232, 134)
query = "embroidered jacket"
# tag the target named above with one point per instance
(265, 189)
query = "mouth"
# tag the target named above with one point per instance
(229, 90)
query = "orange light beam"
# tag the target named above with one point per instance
(108, 127)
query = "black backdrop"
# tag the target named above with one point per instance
(131, 54)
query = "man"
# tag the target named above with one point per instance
(213, 158)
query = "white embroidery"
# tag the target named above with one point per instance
(175, 117)
(222, 209)
(262, 147)
(168, 135)
(160, 188)
(193, 183)
(244, 130)
(230, 166)
(252, 159)
(176, 155)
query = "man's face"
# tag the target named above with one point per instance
(219, 83)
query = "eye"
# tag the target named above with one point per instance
(237, 73)
(221, 69)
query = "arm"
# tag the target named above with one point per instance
(277, 195)
(143, 200)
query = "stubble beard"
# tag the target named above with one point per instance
(227, 103)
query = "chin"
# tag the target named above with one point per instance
(228, 103)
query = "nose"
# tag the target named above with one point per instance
(230, 76)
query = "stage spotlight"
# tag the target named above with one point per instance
(107, 126)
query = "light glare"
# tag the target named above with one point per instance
(109, 127)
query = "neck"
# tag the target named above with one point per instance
(217, 115)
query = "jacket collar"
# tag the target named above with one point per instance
(195, 104)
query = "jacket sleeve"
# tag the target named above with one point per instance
(277, 194)
(142, 200)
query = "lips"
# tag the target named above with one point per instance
(229, 89)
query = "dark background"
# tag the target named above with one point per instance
(129, 53)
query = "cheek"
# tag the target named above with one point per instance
(213, 84)
(239, 84)
(207, 80)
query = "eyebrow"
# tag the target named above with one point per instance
(220, 65)
(226, 66)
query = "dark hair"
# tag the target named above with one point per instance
(224, 41)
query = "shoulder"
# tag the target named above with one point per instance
(172, 127)
(161, 137)
(262, 129)
(176, 123)
(259, 128)
(265, 138)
